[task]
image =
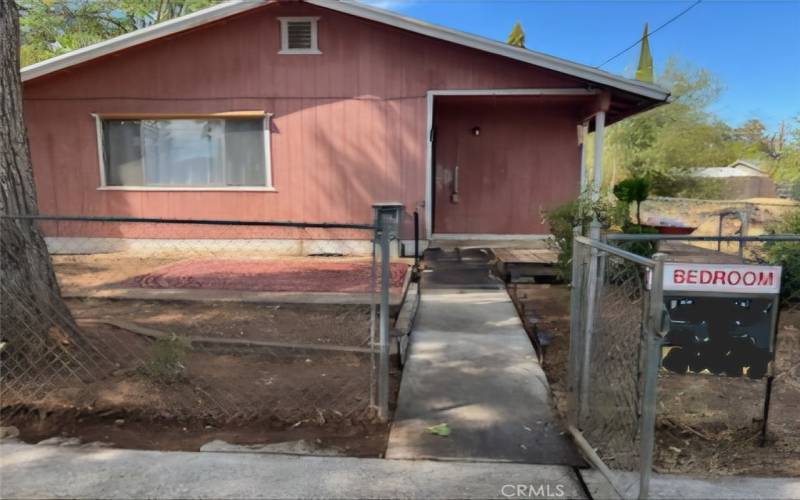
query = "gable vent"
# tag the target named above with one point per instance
(299, 35)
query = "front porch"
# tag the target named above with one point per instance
(499, 159)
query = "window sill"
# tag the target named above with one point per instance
(178, 189)
(299, 52)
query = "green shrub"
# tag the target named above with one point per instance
(643, 248)
(565, 218)
(786, 254)
(166, 363)
(633, 190)
(562, 221)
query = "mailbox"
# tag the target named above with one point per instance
(392, 215)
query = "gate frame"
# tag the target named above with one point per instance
(654, 329)
(581, 330)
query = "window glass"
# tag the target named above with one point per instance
(185, 152)
(244, 153)
(122, 153)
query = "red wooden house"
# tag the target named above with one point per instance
(313, 110)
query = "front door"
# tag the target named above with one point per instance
(499, 162)
(465, 172)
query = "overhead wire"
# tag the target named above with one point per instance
(663, 25)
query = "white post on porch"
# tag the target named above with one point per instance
(597, 184)
(599, 133)
(583, 135)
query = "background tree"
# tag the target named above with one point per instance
(754, 142)
(29, 288)
(753, 132)
(786, 164)
(644, 71)
(53, 27)
(517, 36)
(666, 144)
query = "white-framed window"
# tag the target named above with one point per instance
(299, 35)
(186, 152)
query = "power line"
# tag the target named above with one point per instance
(671, 20)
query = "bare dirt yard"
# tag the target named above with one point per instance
(703, 214)
(332, 324)
(706, 424)
(105, 273)
(239, 393)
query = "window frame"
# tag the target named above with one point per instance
(266, 121)
(284, 22)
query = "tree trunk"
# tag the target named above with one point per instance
(639, 214)
(33, 312)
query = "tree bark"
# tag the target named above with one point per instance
(32, 309)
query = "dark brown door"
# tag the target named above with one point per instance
(498, 163)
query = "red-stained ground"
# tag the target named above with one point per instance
(266, 276)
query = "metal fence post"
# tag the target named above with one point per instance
(652, 346)
(383, 365)
(373, 276)
(744, 216)
(575, 329)
(593, 283)
(416, 239)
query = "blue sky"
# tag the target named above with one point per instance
(752, 46)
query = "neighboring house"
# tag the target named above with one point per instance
(739, 180)
(312, 111)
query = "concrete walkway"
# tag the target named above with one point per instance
(670, 486)
(472, 366)
(37, 471)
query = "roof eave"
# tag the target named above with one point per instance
(226, 9)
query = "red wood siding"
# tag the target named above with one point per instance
(349, 126)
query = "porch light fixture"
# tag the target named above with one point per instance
(476, 131)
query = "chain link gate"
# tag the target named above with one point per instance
(615, 344)
(767, 249)
(618, 328)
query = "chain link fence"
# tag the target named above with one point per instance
(613, 356)
(222, 321)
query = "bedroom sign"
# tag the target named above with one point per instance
(722, 278)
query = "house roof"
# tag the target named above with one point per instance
(233, 7)
(739, 168)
